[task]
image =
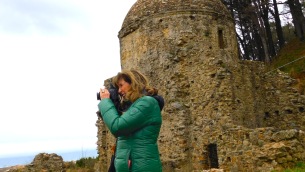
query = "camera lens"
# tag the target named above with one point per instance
(98, 97)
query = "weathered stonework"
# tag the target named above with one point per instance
(46, 162)
(188, 49)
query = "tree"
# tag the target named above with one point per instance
(259, 29)
(298, 18)
(278, 25)
(263, 8)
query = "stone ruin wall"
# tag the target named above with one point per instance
(256, 119)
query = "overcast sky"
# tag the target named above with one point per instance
(54, 57)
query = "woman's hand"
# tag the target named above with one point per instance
(104, 93)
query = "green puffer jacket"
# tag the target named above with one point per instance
(137, 131)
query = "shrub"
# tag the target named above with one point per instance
(82, 165)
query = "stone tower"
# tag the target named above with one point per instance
(176, 32)
(220, 112)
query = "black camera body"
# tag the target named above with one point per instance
(116, 98)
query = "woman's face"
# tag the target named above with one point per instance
(124, 87)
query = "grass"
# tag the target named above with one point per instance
(291, 59)
(81, 165)
(299, 167)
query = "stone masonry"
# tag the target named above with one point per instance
(220, 112)
(44, 162)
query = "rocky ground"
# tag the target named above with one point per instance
(53, 162)
(4, 169)
(10, 168)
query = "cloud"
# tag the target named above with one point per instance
(37, 16)
(55, 55)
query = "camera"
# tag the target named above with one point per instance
(120, 105)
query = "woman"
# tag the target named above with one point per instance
(137, 129)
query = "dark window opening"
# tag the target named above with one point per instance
(301, 109)
(213, 157)
(220, 39)
(267, 115)
(247, 136)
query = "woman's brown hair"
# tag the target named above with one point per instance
(138, 82)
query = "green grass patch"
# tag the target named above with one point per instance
(291, 60)
(81, 165)
(299, 167)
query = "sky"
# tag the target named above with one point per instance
(54, 57)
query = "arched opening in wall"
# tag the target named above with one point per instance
(220, 39)
(213, 157)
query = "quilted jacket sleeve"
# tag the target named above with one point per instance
(136, 117)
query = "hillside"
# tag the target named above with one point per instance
(291, 59)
